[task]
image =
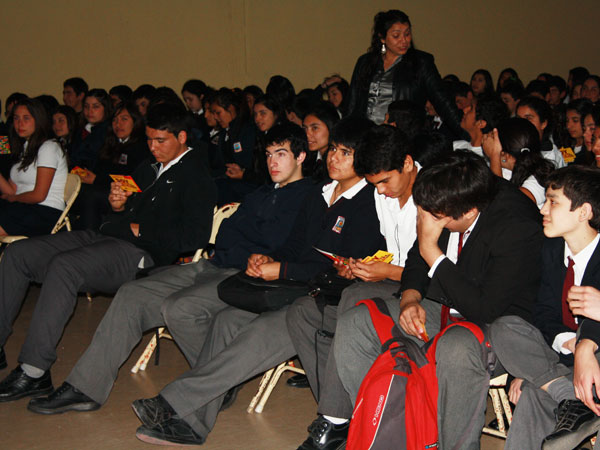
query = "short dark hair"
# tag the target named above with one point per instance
(461, 89)
(383, 148)
(272, 105)
(143, 91)
(78, 84)
(429, 147)
(454, 185)
(196, 87)
(122, 91)
(578, 75)
(281, 89)
(408, 117)
(168, 116)
(537, 87)
(580, 184)
(492, 110)
(350, 131)
(558, 82)
(514, 88)
(288, 132)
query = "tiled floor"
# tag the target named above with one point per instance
(281, 426)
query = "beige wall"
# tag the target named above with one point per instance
(238, 42)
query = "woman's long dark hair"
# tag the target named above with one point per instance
(382, 22)
(520, 139)
(102, 96)
(41, 134)
(112, 148)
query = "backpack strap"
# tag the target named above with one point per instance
(381, 318)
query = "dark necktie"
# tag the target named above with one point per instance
(567, 316)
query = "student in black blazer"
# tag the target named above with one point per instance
(571, 219)
(495, 272)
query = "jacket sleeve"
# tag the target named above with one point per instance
(512, 265)
(439, 97)
(355, 94)
(415, 272)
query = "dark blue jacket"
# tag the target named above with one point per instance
(261, 224)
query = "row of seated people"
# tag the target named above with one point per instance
(124, 148)
(373, 192)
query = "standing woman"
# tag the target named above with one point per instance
(33, 197)
(97, 111)
(393, 70)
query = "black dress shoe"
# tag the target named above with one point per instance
(152, 411)
(65, 398)
(298, 381)
(325, 435)
(172, 431)
(2, 359)
(575, 423)
(18, 385)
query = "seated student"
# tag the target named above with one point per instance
(404, 115)
(142, 97)
(477, 251)
(172, 215)
(88, 140)
(477, 121)
(242, 344)
(511, 93)
(591, 136)
(508, 74)
(514, 153)
(570, 279)
(236, 146)
(591, 89)
(538, 112)
(120, 94)
(302, 103)
(64, 126)
(74, 91)
(482, 84)
(463, 95)
(32, 198)
(251, 93)
(124, 149)
(428, 147)
(384, 158)
(261, 224)
(537, 88)
(193, 92)
(318, 123)
(557, 91)
(576, 111)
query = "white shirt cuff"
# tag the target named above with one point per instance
(560, 339)
(435, 264)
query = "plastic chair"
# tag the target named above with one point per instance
(267, 384)
(220, 214)
(72, 187)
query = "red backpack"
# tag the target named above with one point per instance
(396, 406)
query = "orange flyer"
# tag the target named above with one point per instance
(127, 183)
(380, 256)
(79, 171)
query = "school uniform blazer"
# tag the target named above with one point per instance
(498, 271)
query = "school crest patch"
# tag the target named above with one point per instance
(339, 224)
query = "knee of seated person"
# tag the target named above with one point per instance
(350, 297)
(355, 320)
(458, 347)
(506, 325)
(175, 309)
(297, 311)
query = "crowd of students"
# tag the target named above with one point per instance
(484, 195)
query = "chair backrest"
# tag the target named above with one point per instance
(72, 188)
(220, 214)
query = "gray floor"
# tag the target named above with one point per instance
(281, 426)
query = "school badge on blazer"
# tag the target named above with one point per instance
(339, 224)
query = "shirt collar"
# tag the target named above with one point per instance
(583, 257)
(162, 169)
(348, 194)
